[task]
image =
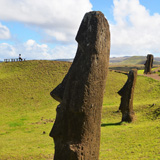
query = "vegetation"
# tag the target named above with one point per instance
(154, 71)
(134, 60)
(28, 113)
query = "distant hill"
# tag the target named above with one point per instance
(64, 60)
(132, 60)
(118, 59)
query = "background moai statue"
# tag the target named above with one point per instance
(76, 131)
(148, 64)
(126, 93)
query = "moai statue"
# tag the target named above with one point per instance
(76, 131)
(126, 93)
(148, 64)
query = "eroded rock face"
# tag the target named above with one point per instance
(126, 93)
(76, 131)
(148, 64)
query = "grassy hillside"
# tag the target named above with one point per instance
(134, 60)
(138, 60)
(28, 112)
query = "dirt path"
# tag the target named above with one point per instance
(154, 76)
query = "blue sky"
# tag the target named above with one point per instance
(46, 29)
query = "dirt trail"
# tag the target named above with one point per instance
(154, 76)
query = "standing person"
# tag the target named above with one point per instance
(20, 59)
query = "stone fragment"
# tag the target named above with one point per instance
(126, 93)
(76, 131)
(148, 64)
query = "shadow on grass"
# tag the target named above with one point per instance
(110, 124)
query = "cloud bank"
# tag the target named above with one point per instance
(59, 19)
(135, 32)
(32, 50)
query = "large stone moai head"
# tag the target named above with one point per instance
(76, 131)
(126, 93)
(148, 64)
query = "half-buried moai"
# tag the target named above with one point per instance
(148, 64)
(76, 131)
(126, 93)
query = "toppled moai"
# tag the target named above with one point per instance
(126, 93)
(148, 64)
(76, 131)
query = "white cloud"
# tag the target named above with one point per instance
(32, 50)
(136, 32)
(64, 52)
(7, 51)
(58, 18)
(4, 32)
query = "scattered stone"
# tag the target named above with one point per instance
(126, 93)
(148, 64)
(76, 131)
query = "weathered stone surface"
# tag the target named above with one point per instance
(76, 131)
(126, 93)
(148, 64)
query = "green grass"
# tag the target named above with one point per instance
(137, 140)
(28, 112)
(142, 71)
(135, 60)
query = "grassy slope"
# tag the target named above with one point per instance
(27, 110)
(134, 60)
(27, 107)
(137, 60)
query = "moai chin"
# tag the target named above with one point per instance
(126, 93)
(76, 131)
(148, 64)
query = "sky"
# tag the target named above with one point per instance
(46, 29)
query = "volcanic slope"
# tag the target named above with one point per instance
(28, 113)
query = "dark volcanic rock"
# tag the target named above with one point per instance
(76, 131)
(126, 93)
(148, 64)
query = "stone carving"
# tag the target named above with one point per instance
(76, 131)
(148, 64)
(126, 93)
